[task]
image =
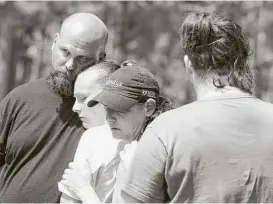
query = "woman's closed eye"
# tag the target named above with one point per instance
(82, 99)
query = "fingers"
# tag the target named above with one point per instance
(67, 183)
(65, 177)
(67, 173)
(64, 182)
(72, 165)
(134, 144)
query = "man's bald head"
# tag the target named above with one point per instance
(87, 28)
(80, 43)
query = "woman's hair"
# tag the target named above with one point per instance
(104, 69)
(163, 104)
(217, 46)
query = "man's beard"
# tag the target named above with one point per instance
(61, 82)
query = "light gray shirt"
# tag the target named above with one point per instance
(216, 150)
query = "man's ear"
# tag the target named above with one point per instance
(150, 106)
(56, 37)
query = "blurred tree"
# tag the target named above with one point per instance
(147, 31)
(7, 53)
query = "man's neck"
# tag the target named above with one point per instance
(207, 90)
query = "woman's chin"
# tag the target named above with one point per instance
(85, 125)
(117, 134)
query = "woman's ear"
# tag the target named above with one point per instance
(150, 106)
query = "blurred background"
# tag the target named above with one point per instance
(146, 31)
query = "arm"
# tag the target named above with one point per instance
(81, 155)
(145, 181)
(78, 181)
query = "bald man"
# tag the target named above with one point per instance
(39, 132)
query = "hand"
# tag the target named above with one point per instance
(127, 154)
(78, 179)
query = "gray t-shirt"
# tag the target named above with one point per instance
(215, 150)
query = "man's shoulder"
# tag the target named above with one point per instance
(265, 104)
(166, 125)
(32, 85)
(29, 87)
(174, 114)
(25, 91)
(262, 109)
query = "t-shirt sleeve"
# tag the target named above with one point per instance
(5, 123)
(145, 180)
(82, 155)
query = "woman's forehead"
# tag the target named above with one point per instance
(87, 91)
(132, 111)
